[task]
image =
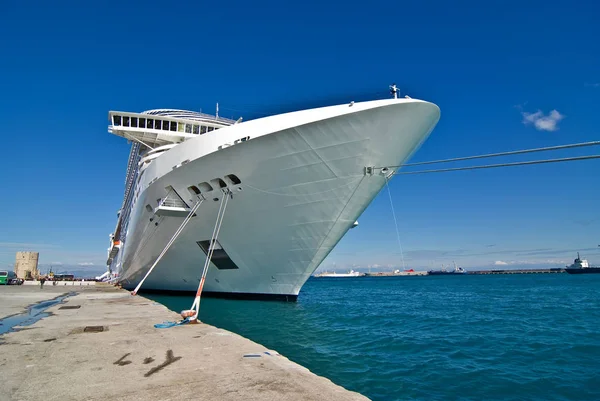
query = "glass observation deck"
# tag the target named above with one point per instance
(161, 127)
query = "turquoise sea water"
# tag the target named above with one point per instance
(505, 337)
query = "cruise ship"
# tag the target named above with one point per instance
(269, 198)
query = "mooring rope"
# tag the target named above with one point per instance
(194, 311)
(513, 152)
(171, 241)
(395, 222)
(444, 170)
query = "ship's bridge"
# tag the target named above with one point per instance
(163, 126)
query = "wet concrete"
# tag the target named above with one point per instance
(15, 299)
(34, 313)
(104, 347)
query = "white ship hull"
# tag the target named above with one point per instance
(303, 185)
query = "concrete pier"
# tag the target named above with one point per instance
(100, 344)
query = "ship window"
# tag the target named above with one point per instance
(116, 120)
(217, 182)
(220, 258)
(196, 129)
(205, 187)
(234, 179)
(165, 125)
(188, 128)
(210, 129)
(150, 123)
(194, 190)
(125, 121)
(181, 127)
(134, 122)
(203, 130)
(142, 123)
(173, 126)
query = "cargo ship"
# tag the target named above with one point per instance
(581, 266)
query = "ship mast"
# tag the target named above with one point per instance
(394, 91)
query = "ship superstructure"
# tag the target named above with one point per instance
(581, 266)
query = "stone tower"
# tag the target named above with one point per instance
(26, 265)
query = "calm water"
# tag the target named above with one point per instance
(525, 337)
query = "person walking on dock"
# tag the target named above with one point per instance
(42, 280)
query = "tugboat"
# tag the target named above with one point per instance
(457, 271)
(581, 266)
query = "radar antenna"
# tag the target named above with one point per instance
(394, 91)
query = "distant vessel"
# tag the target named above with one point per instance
(397, 272)
(581, 266)
(443, 272)
(351, 273)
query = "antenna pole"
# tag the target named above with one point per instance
(217, 115)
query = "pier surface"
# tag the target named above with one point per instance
(104, 346)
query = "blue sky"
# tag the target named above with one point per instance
(64, 65)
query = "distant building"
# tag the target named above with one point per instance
(26, 265)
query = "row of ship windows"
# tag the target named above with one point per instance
(203, 187)
(141, 122)
(217, 182)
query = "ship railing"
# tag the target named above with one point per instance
(187, 114)
(173, 202)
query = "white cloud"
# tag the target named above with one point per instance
(85, 264)
(25, 246)
(500, 263)
(57, 263)
(541, 121)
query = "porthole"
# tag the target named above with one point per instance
(205, 187)
(233, 179)
(218, 183)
